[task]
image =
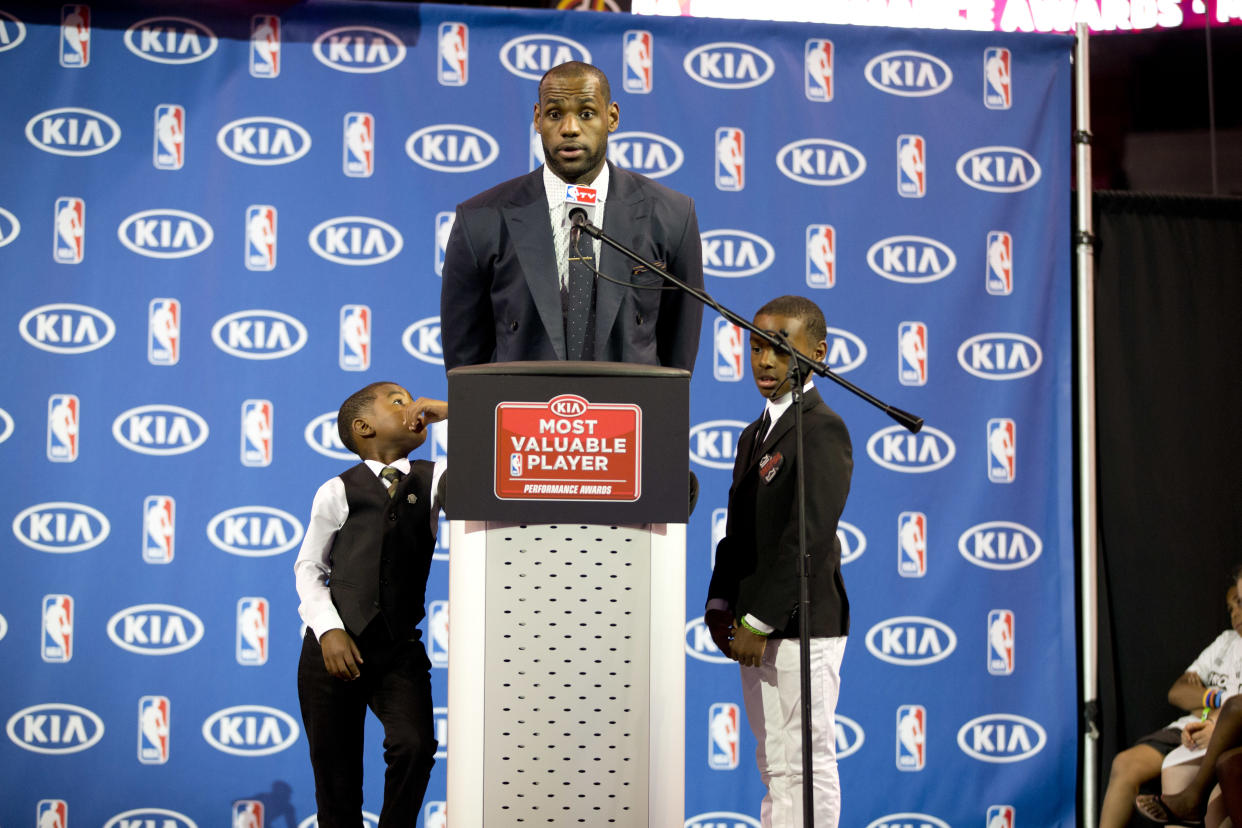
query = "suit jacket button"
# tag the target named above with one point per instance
(513, 326)
(392, 515)
(638, 319)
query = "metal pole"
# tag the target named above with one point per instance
(1084, 240)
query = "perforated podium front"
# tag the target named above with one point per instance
(566, 660)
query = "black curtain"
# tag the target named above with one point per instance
(1168, 327)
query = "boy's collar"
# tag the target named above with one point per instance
(401, 464)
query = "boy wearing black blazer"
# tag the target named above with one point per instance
(752, 606)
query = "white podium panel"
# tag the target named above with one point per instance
(566, 675)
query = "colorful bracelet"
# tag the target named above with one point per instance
(742, 621)
(1212, 698)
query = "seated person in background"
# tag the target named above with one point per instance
(1219, 668)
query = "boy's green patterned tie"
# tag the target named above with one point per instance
(393, 476)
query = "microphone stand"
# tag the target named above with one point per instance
(797, 362)
(907, 420)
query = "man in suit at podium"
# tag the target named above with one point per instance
(517, 287)
(753, 597)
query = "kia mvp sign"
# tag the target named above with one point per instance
(568, 449)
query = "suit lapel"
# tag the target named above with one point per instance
(531, 232)
(786, 423)
(625, 211)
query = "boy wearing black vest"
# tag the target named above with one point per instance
(362, 578)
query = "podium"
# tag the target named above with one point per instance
(568, 500)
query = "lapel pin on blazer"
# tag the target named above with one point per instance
(769, 465)
(411, 498)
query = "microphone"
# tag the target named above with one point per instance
(578, 217)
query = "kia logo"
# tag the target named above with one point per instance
(254, 531)
(821, 162)
(909, 74)
(61, 527)
(165, 234)
(355, 240)
(530, 56)
(728, 65)
(176, 40)
(911, 259)
(259, 334)
(359, 49)
(65, 328)
(263, 141)
(999, 169)
(71, 130)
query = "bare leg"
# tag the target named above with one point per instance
(1227, 734)
(1131, 768)
(1229, 774)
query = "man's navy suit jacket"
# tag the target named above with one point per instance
(500, 300)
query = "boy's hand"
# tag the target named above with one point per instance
(747, 647)
(340, 655)
(425, 411)
(1196, 734)
(720, 625)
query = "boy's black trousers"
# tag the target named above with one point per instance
(395, 682)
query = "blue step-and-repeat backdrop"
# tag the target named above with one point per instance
(218, 220)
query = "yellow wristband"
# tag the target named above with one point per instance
(742, 621)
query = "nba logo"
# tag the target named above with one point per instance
(637, 46)
(911, 166)
(911, 737)
(69, 237)
(912, 353)
(57, 644)
(260, 237)
(169, 137)
(252, 627)
(1000, 642)
(159, 527)
(440, 717)
(359, 144)
(997, 86)
(164, 331)
(536, 148)
(62, 428)
(247, 813)
(441, 552)
(720, 522)
(355, 354)
(453, 66)
(437, 633)
(153, 726)
(438, 437)
(515, 464)
(819, 70)
(1002, 445)
(999, 275)
(435, 815)
(75, 36)
(264, 46)
(1000, 816)
(821, 256)
(723, 719)
(912, 544)
(52, 813)
(256, 433)
(730, 159)
(444, 226)
(727, 366)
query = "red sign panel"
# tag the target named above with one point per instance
(568, 449)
